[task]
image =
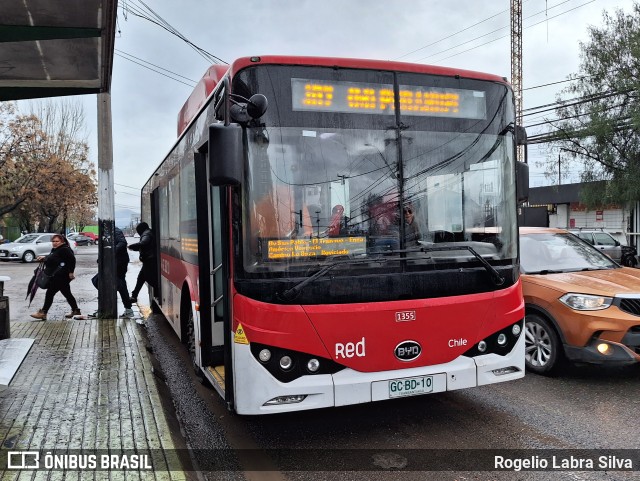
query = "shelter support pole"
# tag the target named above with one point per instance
(107, 297)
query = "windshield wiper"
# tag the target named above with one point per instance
(293, 292)
(546, 271)
(497, 279)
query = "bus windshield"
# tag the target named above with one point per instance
(350, 180)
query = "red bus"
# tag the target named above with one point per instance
(338, 231)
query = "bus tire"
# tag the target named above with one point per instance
(189, 330)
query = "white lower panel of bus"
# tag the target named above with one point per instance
(352, 387)
(489, 365)
(254, 386)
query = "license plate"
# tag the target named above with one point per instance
(410, 386)
(3, 254)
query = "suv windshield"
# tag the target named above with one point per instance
(338, 183)
(559, 252)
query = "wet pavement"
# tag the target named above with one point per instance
(86, 390)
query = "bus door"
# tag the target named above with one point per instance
(217, 271)
(213, 260)
(155, 225)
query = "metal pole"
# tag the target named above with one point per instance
(107, 299)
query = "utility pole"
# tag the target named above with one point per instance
(559, 177)
(107, 307)
(516, 64)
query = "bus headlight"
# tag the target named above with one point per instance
(298, 398)
(285, 363)
(482, 346)
(502, 339)
(313, 365)
(265, 355)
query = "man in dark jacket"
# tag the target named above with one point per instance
(147, 249)
(122, 263)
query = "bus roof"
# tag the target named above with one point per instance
(196, 100)
(214, 74)
(356, 63)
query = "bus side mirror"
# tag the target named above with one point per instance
(521, 135)
(522, 182)
(226, 159)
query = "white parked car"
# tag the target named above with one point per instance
(30, 246)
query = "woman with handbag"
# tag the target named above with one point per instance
(58, 266)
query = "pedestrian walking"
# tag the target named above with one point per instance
(147, 249)
(59, 265)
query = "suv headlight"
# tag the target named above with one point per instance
(586, 302)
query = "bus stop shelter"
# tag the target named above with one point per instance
(52, 48)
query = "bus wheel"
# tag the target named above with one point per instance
(190, 340)
(543, 351)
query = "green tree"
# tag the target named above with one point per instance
(600, 127)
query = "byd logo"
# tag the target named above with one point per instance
(407, 350)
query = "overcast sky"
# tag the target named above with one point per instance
(470, 34)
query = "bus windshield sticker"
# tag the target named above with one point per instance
(370, 98)
(279, 249)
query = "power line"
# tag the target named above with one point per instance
(128, 186)
(156, 66)
(500, 38)
(452, 35)
(489, 33)
(154, 70)
(138, 11)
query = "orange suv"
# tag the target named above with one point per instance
(580, 305)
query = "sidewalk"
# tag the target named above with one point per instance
(87, 384)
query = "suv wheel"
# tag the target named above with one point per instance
(543, 350)
(28, 256)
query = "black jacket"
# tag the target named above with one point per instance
(146, 246)
(60, 262)
(122, 256)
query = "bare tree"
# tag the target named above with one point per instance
(50, 175)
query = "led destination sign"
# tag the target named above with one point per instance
(281, 249)
(359, 97)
